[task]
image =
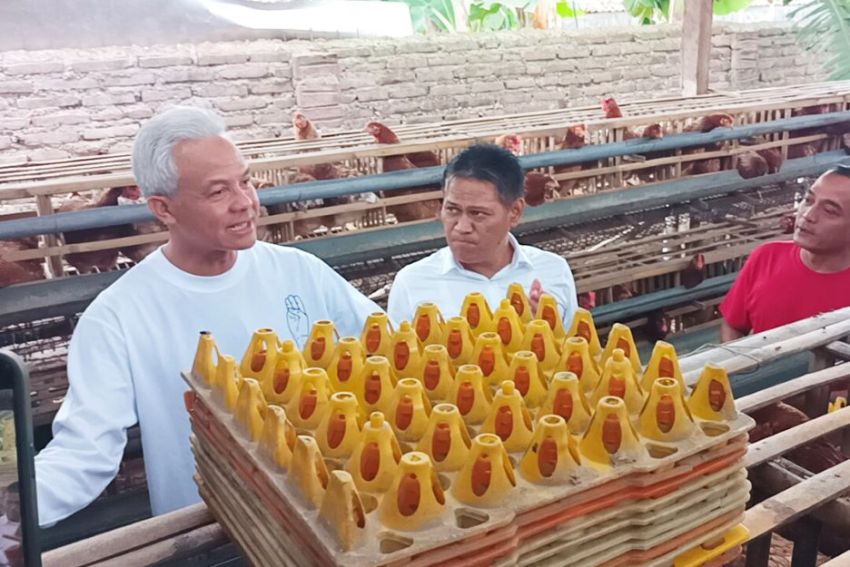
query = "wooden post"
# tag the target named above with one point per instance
(758, 551)
(696, 46)
(44, 206)
(817, 399)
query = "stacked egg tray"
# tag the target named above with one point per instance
(489, 438)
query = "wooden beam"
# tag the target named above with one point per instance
(839, 349)
(843, 559)
(165, 530)
(785, 390)
(785, 441)
(696, 46)
(789, 505)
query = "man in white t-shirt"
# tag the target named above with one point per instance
(133, 341)
(482, 202)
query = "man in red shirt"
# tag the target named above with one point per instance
(783, 282)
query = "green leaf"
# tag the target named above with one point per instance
(824, 27)
(723, 7)
(565, 10)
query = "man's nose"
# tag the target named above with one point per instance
(245, 198)
(463, 224)
(808, 214)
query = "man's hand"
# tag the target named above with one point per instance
(534, 295)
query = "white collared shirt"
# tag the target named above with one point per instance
(440, 279)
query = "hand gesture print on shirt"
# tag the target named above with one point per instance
(297, 319)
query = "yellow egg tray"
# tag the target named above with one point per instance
(456, 441)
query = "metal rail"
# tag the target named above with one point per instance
(400, 180)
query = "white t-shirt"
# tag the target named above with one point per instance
(441, 280)
(133, 341)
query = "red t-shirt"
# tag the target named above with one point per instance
(775, 288)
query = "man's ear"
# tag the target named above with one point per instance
(160, 206)
(516, 210)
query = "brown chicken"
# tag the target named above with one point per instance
(575, 138)
(788, 222)
(133, 196)
(702, 166)
(511, 142)
(612, 110)
(657, 326)
(12, 272)
(587, 300)
(758, 162)
(305, 130)
(409, 211)
(383, 135)
(709, 122)
(816, 456)
(538, 187)
(622, 292)
(802, 150)
(98, 260)
(695, 272)
(751, 164)
(705, 124)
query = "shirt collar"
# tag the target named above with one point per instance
(449, 264)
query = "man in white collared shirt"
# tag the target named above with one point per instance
(483, 201)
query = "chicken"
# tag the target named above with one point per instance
(816, 456)
(305, 130)
(302, 127)
(788, 222)
(383, 135)
(709, 122)
(574, 139)
(587, 300)
(657, 326)
(802, 150)
(538, 187)
(612, 110)
(758, 162)
(511, 142)
(12, 272)
(133, 196)
(653, 131)
(409, 211)
(622, 292)
(705, 124)
(695, 272)
(751, 165)
(774, 159)
(702, 166)
(98, 260)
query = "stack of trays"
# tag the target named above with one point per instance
(506, 441)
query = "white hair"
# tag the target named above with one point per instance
(153, 151)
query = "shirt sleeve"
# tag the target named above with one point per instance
(90, 429)
(347, 307)
(564, 291)
(398, 304)
(735, 306)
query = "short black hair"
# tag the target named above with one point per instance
(491, 163)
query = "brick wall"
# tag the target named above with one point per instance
(55, 104)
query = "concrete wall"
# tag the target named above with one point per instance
(69, 102)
